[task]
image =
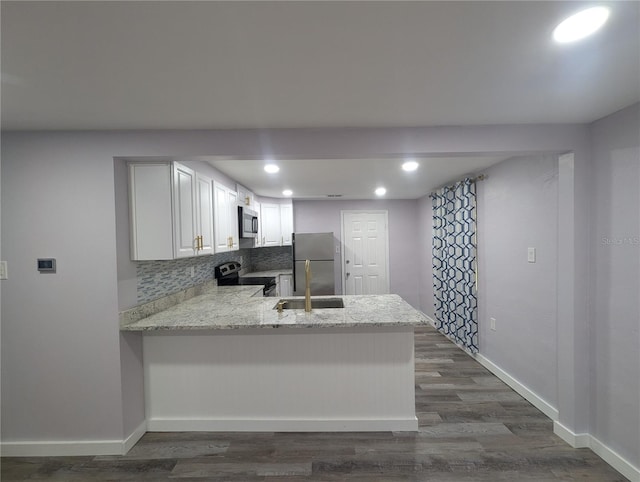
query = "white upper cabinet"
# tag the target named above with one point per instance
(225, 203)
(271, 232)
(184, 211)
(245, 197)
(171, 211)
(286, 223)
(151, 220)
(204, 213)
(277, 224)
(234, 228)
(257, 207)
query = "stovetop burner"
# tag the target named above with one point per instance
(228, 274)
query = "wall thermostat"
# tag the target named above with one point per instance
(47, 265)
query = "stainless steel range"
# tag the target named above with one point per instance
(228, 274)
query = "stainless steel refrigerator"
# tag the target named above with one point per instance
(319, 248)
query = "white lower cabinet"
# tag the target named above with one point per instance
(285, 285)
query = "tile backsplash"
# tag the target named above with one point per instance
(161, 278)
(265, 259)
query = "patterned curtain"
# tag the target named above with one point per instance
(454, 263)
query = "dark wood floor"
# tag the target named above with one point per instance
(472, 428)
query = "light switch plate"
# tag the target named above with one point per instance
(531, 255)
(492, 323)
(4, 273)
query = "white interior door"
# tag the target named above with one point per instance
(365, 253)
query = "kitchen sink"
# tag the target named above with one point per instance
(298, 303)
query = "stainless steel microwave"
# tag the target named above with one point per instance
(248, 222)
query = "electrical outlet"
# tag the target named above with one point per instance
(4, 273)
(492, 323)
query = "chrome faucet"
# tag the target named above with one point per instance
(307, 291)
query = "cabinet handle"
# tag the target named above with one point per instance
(201, 242)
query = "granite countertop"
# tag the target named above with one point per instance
(235, 307)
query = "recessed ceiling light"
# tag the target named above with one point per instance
(287, 192)
(271, 168)
(410, 166)
(380, 191)
(581, 24)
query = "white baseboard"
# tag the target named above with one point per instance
(282, 425)
(132, 439)
(611, 457)
(538, 402)
(56, 448)
(576, 440)
(581, 440)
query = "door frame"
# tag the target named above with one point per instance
(386, 254)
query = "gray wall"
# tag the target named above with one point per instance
(64, 368)
(425, 260)
(324, 216)
(61, 375)
(615, 286)
(517, 209)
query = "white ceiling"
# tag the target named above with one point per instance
(209, 65)
(351, 178)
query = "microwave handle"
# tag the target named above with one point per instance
(254, 224)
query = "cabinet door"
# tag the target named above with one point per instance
(184, 185)
(221, 217)
(258, 239)
(232, 228)
(245, 197)
(286, 223)
(271, 232)
(286, 281)
(204, 213)
(151, 226)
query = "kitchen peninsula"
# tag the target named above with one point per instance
(226, 360)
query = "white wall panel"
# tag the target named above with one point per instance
(324, 379)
